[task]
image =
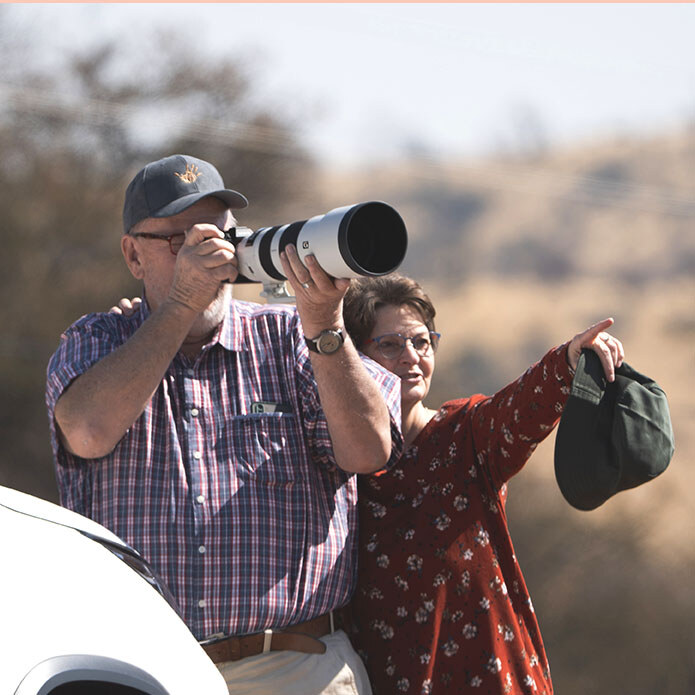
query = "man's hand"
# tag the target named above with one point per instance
(607, 347)
(319, 296)
(204, 261)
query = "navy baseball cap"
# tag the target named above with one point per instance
(612, 436)
(171, 185)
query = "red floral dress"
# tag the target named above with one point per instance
(441, 604)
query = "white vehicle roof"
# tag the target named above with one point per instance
(35, 506)
(67, 601)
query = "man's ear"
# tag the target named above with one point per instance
(132, 256)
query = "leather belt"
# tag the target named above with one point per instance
(302, 637)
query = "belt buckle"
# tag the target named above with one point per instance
(211, 639)
(226, 647)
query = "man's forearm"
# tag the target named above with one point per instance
(357, 416)
(97, 409)
(358, 419)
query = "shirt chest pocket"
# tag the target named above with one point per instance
(266, 447)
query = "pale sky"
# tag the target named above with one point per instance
(461, 79)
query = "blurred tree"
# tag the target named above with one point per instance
(72, 134)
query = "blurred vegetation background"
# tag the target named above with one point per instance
(519, 252)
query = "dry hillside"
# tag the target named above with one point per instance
(518, 255)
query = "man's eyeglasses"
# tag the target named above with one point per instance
(392, 345)
(176, 239)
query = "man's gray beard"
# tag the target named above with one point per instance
(209, 319)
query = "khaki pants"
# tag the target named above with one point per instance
(339, 671)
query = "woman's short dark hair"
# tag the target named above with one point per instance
(368, 294)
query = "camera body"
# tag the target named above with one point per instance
(364, 239)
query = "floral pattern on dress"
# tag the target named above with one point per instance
(442, 605)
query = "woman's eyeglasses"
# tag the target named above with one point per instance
(392, 345)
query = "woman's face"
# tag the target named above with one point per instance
(414, 368)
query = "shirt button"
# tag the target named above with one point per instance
(201, 549)
(189, 372)
(201, 603)
(200, 499)
(194, 412)
(197, 455)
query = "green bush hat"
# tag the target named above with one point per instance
(612, 436)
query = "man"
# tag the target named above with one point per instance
(204, 432)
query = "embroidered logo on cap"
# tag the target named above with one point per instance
(190, 175)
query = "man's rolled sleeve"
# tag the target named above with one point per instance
(81, 346)
(390, 387)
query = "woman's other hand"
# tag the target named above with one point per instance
(607, 347)
(126, 307)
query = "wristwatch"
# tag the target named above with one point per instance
(326, 342)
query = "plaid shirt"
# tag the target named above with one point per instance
(243, 511)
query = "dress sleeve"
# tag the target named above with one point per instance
(508, 426)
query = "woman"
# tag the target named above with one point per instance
(441, 605)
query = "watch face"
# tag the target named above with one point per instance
(329, 342)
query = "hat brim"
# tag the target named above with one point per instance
(612, 436)
(584, 465)
(233, 200)
(585, 469)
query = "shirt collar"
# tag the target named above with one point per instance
(230, 334)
